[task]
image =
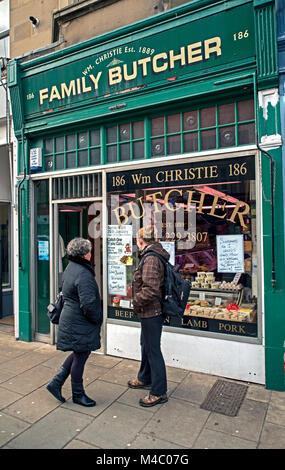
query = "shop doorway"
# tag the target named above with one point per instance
(71, 220)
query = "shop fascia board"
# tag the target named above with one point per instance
(139, 101)
(193, 11)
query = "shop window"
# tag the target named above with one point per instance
(208, 117)
(173, 123)
(246, 133)
(191, 142)
(138, 150)
(138, 130)
(226, 113)
(71, 160)
(173, 145)
(83, 158)
(245, 110)
(125, 132)
(125, 153)
(205, 217)
(5, 245)
(60, 161)
(59, 144)
(190, 120)
(157, 147)
(112, 153)
(208, 139)
(95, 156)
(157, 126)
(227, 136)
(191, 130)
(71, 142)
(82, 140)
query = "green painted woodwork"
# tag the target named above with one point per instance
(247, 64)
(266, 44)
(182, 48)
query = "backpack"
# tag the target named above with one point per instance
(176, 289)
(54, 309)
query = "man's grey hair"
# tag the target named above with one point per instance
(78, 247)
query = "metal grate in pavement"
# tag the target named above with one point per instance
(225, 398)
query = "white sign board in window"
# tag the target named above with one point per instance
(230, 253)
(36, 159)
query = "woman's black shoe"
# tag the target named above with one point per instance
(79, 396)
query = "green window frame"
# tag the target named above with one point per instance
(196, 129)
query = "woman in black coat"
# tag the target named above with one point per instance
(80, 321)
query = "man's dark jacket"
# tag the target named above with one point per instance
(81, 317)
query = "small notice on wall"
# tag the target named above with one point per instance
(230, 253)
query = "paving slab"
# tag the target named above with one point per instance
(272, 437)
(194, 387)
(104, 393)
(26, 361)
(10, 427)
(33, 406)
(29, 380)
(122, 372)
(276, 409)
(116, 427)
(148, 441)
(53, 431)
(209, 439)
(7, 397)
(77, 444)
(104, 361)
(178, 422)
(132, 396)
(246, 425)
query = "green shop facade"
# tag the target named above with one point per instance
(174, 121)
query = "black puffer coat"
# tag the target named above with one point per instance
(81, 318)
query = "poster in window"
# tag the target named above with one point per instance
(230, 253)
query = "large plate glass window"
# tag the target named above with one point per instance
(205, 216)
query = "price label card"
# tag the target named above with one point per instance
(201, 295)
(218, 301)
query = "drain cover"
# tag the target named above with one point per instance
(225, 398)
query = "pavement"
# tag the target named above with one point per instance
(31, 418)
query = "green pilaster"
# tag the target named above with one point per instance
(25, 328)
(274, 293)
(268, 124)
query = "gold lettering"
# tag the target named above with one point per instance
(159, 68)
(215, 47)
(66, 91)
(84, 87)
(115, 75)
(120, 213)
(43, 95)
(153, 195)
(194, 52)
(143, 62)
(213, 171)
(96, 79)
(214, 206)
(191, 201)
(134, 73)
(240, 214)
(167, 197)
(54, 94)
(156, 177)
(132, 210)
(180, 57)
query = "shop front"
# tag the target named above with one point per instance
(159, 123)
